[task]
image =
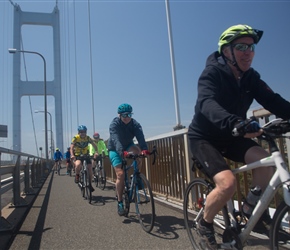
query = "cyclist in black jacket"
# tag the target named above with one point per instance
(123, 129)
(226, 89)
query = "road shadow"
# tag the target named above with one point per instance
(36, 234)
(167, 227)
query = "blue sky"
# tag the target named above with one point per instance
(131, 59)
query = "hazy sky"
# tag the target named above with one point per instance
(126, 45)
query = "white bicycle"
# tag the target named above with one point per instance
(230, 223)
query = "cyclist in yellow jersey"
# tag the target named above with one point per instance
(79, 146)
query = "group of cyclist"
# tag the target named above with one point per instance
(226, 89)
(122, 130)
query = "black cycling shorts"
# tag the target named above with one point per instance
(211, 154)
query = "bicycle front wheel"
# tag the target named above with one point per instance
(144, 204)
(102, 179)
(88, 189)
(82, 183)
(280, 229)
(193, 208)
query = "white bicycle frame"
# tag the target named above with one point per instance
(280, 177)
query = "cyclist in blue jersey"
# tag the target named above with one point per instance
(57, 156)
(122, 131)
(67, 158)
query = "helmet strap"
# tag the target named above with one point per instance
(233, 62)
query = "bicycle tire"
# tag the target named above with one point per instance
(96, 175)
(193, 205)
(82, 184)
(144, 204)
(126, 202)
(102, 178)
(279, 231)
(96, 178)
(87, 187)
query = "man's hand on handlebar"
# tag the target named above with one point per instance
(249, 128)
(145, 152)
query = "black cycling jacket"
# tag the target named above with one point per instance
(222, 100)
(121, 135)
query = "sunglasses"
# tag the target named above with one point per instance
(82, 132)
(243, 47)
(126, 115)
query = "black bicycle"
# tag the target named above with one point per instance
(69, 169)
(58, 167)
(138, 190)
(85, 182)
(100, 173)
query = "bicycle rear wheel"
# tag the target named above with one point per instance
(58, 168)
(193, 207)
(280, 229)
(144, 203)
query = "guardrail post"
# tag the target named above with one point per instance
(33, 173)
(4, 224)
(17, 200)
(27, 188)
(38, 173)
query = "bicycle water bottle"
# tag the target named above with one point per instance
(251, 200)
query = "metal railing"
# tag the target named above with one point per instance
(24, 171)
(172, 172)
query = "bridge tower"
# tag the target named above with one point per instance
(22, 88)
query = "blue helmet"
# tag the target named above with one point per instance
(125, 108)
(82, 127)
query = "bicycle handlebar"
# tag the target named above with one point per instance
(131, 155)
(275, 128)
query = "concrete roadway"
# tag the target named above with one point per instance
(61, 219)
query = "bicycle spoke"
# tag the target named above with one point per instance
(144, 203)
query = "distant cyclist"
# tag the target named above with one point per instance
(68, 161)
(80, 146)
(122, 131)
(101, 147)
(57, 156)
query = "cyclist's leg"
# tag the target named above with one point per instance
(261, 176)
(116, 162)
(215, 166)
(78, 167)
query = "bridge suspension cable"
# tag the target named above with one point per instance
(76, 68)
(91, 64)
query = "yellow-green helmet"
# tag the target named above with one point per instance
(237, 31)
